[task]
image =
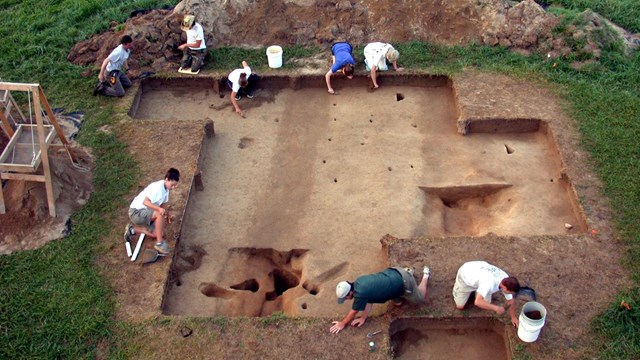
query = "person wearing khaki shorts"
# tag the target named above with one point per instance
(148, 212)
(143, 217)
(485, 279)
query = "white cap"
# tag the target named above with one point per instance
(342, 290)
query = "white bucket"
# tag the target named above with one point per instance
(530, 326)
(274, 55)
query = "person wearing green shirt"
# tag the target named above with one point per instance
(392, 283)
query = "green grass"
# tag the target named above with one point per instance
(619, 324)
(54, 304)
(229, 58)
(624, 13)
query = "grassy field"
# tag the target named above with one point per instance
(53, 302)
(625, 13)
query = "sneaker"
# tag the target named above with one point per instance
(238, 97)
(250, 96)
(426, 271)
(162, 247)
(128, 232)
(99, 89)
(410, 270)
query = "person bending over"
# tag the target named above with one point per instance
(241, 82)
(342, 62)
(392, 283)
(376, 56)
(485, 279)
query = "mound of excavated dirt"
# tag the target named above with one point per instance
(525, 27)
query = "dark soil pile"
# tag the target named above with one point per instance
(522, 26)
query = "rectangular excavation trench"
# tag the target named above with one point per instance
(331, 175)
(449, 338)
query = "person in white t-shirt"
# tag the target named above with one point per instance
(485, 279)
(376, 55)
(195, 49)
(148, 211)
(112, 79)
(241, 82)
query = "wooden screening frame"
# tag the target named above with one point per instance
(26, 172)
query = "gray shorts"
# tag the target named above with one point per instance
(411, 291)
(143, 217)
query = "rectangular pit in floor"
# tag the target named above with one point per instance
(449, 338)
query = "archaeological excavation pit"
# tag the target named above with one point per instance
(449, 338)
(332, 175)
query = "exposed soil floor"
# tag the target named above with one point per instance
(285, 213)
(331, 175)
(423, 338)
(27, 223)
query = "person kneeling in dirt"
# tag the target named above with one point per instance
(112, 80)
(342, 61)
(392, 283)
(485, 279)
(148, 212)
(194, 50)
(241, 82)
(376, 56)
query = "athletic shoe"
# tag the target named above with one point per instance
(162, 247)
(426, 270)
(128, 232)
(250, 96)
(99, 89)
(238, 97)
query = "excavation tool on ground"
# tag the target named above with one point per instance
(151, 256)
(370, 335)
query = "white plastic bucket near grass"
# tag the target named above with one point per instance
(274, 55)
(531, 321)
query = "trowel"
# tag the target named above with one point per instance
(151, 256)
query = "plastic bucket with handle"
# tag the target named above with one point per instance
(274, 55)
(531, 320)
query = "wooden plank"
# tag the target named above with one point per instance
(17, 86)
(12, 101)
(52, 117)
(20, 148)
(44, 153)
(20, 168)
(10, 145)
(3, 210)
(23, 177)
(36, 161)
(6, 125)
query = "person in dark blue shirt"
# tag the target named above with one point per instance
(342, 62)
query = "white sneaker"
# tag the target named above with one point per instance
(426, 271)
